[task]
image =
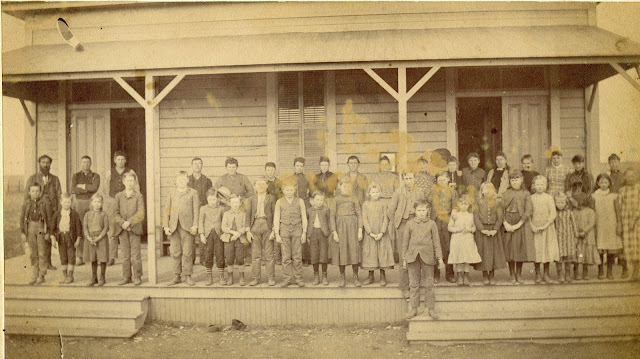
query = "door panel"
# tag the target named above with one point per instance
(525, 129)
(91, 136)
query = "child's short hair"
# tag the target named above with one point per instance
(196, 159)
(35, 184)
(97, 195)
(317, 193)
(515, 174)
(560, 197)
(601, 176)
(453, 159)
(526, 157)
(230, 161)
(577, 159)
(119, 154)
(539, 178)
(468, 199)
(260, 179)
(182, 173)
(43, 157)
(65, 196)
(290, 181)
(613, 157)
(87, 157)
(473, 155)
(487, 185)
(270, 164)
(353, 158)
(373, 185)
(298, 159)
(234, 196)
(384, 158)
(501, 154)
(556, 153)
(211, 192)
(423, 159)
(130, 174)
(324, 159)
(422, 203)
(441, 174)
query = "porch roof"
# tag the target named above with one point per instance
(330, 50)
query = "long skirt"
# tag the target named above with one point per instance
(377, 254)
(347, 250)
(518, 245)
(491, 251)
(546, 244)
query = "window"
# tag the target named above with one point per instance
(301, 119)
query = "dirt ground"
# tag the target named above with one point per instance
(165, 341)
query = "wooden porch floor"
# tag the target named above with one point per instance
(18, 272)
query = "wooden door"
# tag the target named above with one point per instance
(525, 129)
(91, 136)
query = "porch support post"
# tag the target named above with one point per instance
(331, 122)
(451, 111)
(150, 104)
(402, 118)
(554, 105)
(592, 130)
(624, 74)
(272, 117)
(62, 145)
(402, 96)
(149, 110)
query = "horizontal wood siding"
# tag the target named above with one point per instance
(47, 122)
(572, 123)
(166, 21)
(367, 119)
(214, 117)
(278, 311)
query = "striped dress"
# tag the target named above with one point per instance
(629, 202)
(566, 230)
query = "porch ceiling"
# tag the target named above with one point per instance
(429, 47)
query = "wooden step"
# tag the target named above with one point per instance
(491, 324)
(499, 304)
(560, 334)
(56, 323)
(72, 308)
(71, 332)
(530, 314)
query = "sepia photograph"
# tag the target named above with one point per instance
(320, 179)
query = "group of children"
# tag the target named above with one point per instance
(455, 219)
(63, 227)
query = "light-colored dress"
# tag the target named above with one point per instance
(587, 248)
(606, 221)
(629, 204)
(566, 230)
(463, 246)
(376, 254)
(546, 241)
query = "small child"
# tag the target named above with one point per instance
(67, 231)
(518, 238)
(488, 216)
(544, 232)
(420, 251)
(377, 250)
(129, 214)
(236, 244)
(290, 226)
(95, 228)
(567, 241)
(259, 221)
(443, 198)
(587, 248)
(463, 251)
(34, 219)
(629, 221)
(210, 230)
(346, 225)
(608, 241)
(180, 224)
(318, 219)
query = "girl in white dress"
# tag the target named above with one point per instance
(463, 251)
(608, 241)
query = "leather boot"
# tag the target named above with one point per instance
(64, 281)
(383, 278)
(600, 271)
(69, 278)
(209, 279)
(369, 279)
(485, 277)
(585, 271)
(567, 272)
(190, 282)
(343, 280)
(242, 283)
(316, 278)
(560, 272)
